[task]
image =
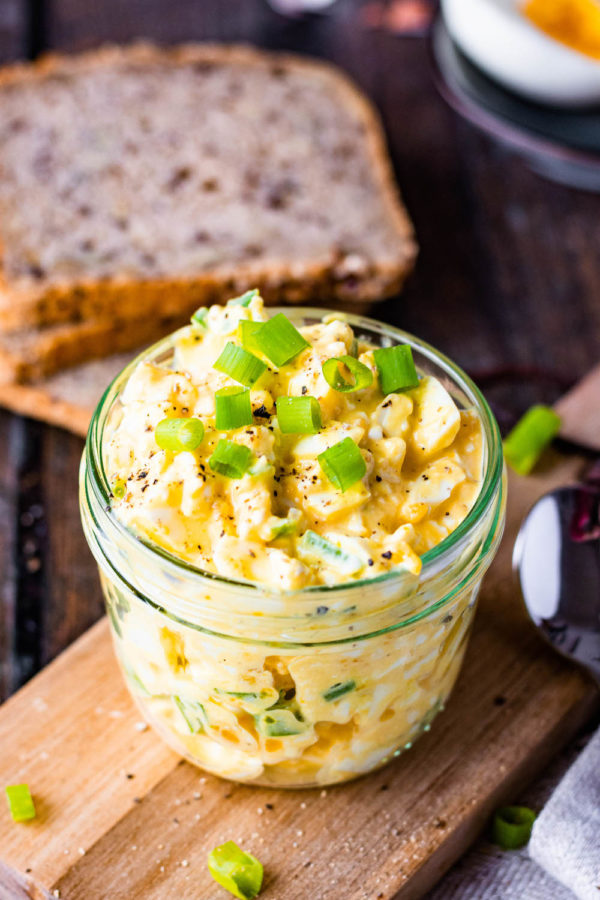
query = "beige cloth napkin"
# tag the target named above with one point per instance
(563, 862)
(566, 836)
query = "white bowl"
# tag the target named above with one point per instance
(498, 38)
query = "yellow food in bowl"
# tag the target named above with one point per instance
(575, 23)
(275, 625)
(423, 460)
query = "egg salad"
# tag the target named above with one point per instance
(353, 482)
(309, 469)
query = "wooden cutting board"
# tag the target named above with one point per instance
(121, 817)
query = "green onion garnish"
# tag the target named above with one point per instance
(343, 464)
(240, 365)
(248, 332)
(239, 873)
(253, 702)
(279, 340)
(279, 723)
(231, 460)
(313, 546)
(232, 408)
(179, 434)
(362, 376)
(284, 528)
(193, 714)
(119, 488)
(396, 368)
(20, 802)
(512, 826)
(200, 316)
(298, 415)
(530, 436)
(245, 300)
(338, 690)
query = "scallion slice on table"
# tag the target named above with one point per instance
(238, 872)
(512, 826)
(338, 690)
(20, 802)
(343, 464)
(199, 317)
(179, 434)
(239, 364)
(530, 436)
(298, 415)
(396, 368)
(245, 300)
(362, 377)
(230, 459)
(280, 340)
(232, 408)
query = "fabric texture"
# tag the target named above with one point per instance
(566, 836)
(562, 861)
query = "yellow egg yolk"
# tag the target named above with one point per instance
(575, 23)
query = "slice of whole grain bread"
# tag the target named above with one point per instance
(35, 353)
(68, 398)
(138, 182)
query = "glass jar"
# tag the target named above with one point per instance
(300, 688)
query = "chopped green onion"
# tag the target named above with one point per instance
(240, 365)
(279, 723)
(396, 368)
(248, 332)
(298, 415)
(199, 317)
(313, 546)
(279, 340)
(20, 802)
(512, 826)
(135, 681)
(338, 690)
(232, 408)
(254, 702)
(239, 873)
(362, 376)
(245, 300)
(193, 714)
(343, 464)
(231, 460)
(119, 488)
(284, 528)
(179, 434)
(530, 436)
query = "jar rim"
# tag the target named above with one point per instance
(430, 560)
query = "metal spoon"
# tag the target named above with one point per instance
(557, 560)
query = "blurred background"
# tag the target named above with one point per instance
(506, 283)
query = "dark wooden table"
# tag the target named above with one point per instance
(507, 282)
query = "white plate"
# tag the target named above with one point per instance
(496, 36)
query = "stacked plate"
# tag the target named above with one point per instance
(559, 142)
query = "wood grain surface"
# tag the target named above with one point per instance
(507, 282)
(120, 816)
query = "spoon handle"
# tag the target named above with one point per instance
(580, 411)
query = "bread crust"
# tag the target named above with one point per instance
(41, 303)
(37, 353)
